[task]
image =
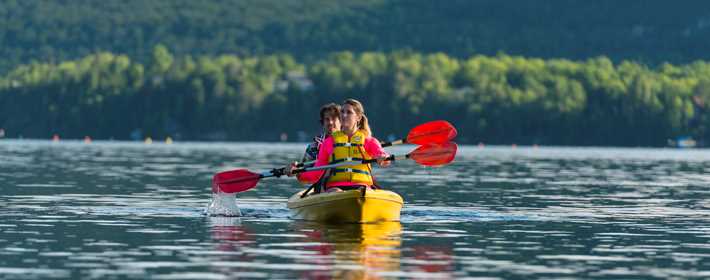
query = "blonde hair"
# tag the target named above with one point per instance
(362, 125)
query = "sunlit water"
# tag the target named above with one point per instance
(116, 210)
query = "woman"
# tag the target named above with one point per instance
(354, 142)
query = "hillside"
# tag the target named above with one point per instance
(646, 31)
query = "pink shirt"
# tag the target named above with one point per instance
(372, 148)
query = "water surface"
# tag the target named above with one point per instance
(120, 210)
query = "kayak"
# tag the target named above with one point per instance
(352, 206)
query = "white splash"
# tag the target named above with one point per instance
(223, 204)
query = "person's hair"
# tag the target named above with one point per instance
(360, 110)
(330, 109)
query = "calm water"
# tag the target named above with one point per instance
(117, 210)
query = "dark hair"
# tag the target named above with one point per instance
(331, 109)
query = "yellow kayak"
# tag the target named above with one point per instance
(353, 206)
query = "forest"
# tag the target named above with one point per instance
(649, 32)
(623, 73)
(491, 99)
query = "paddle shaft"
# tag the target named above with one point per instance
(242, 180)
(352, 162)
(278, 172)
(384, 144)
(392, 143)
(430, 132)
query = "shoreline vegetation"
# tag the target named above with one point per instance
(572, 72)
(498, 99)
(649, 32)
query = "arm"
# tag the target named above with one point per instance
(307, 156)
(312, 149)
(375, 150)
(310, 153)
(324, 152)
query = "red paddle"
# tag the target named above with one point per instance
(436, 154)
(241, 179)
(426, 133)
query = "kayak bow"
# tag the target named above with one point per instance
(352, 206)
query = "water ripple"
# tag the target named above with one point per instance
(128, 210)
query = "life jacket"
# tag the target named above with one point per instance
(350, 149)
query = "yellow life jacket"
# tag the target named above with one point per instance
(350, 149)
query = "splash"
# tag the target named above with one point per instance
(223, 204)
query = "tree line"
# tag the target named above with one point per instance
(498, 99)
(651, 32)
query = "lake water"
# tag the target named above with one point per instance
(120, 210)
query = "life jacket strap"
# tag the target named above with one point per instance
(339, 170)
(348, 144)
(346, 159)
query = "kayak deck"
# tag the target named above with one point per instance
(352, 206)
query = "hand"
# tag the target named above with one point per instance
(290, 168)
(382, 161)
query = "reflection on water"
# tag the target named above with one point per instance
(322, 251)
(118, 210)
(356, 251)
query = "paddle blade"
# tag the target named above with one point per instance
(432, 132)
(234, 181)
(434, 154)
